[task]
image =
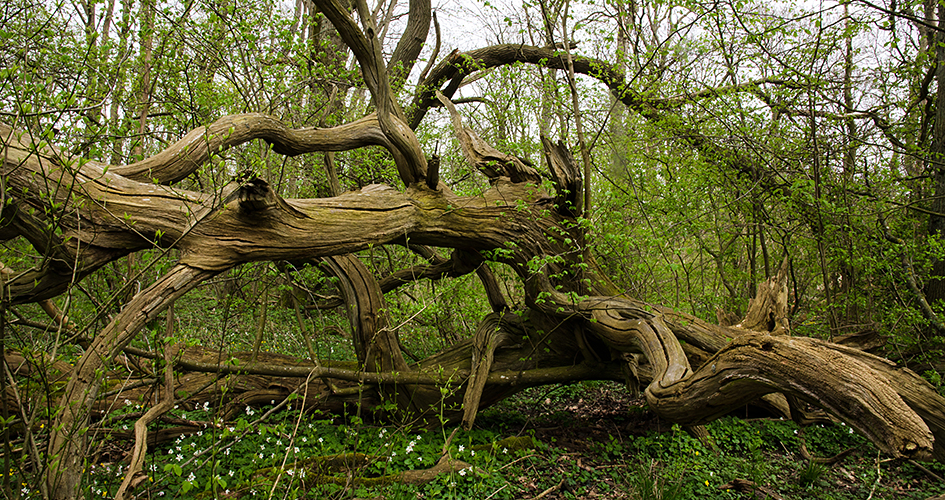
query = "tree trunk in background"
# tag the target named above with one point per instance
(143, 84)
(117, 75)
(935, 288)
(146, 39)
(618, 113)
(97, 43)
(847, 268)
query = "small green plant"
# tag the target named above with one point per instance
(648, 483)
(935, 378)
(811, 474)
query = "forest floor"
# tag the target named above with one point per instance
(600, 428)
(588, 440)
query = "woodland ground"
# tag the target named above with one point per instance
(589, 440)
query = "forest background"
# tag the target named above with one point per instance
(745, 141)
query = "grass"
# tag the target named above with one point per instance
(583, 441)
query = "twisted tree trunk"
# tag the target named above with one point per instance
(82, 214)
(564, 336)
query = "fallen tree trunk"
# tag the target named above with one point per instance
(80, 215)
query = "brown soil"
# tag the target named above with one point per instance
(575, 423)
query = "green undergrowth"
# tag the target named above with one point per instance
(524, 447)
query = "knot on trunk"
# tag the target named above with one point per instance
(254, 194)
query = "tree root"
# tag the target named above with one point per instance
(338, 469)
(824, 460)
(746, 486)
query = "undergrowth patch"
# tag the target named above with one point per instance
(582, 441)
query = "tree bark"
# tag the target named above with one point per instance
(82, 215)
(68, 438)
(250, 223)
(935, 288)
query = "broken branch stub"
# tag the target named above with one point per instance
(768, 309)
(485, 158)
(566, 176)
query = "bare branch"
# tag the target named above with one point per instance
(410, 160)
(482, 156)
(196, 148)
